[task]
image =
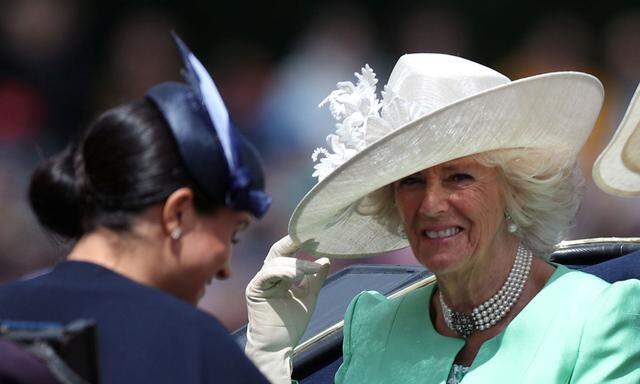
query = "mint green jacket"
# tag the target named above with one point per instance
(577, 329)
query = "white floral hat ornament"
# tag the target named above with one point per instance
(617, 169)
(435, 108)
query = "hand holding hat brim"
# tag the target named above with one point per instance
(280, 301)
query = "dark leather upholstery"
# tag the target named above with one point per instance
(593, 253)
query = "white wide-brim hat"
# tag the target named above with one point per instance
(617, 169)
(435, 108)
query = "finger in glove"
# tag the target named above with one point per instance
(284, 247)
(286, 270)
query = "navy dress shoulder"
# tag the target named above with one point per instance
(621, 268)
(144, 334)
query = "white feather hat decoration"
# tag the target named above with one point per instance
(435, 108)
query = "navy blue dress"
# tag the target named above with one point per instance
(144, 335)
(622, 268)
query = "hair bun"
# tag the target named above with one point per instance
(55, 194)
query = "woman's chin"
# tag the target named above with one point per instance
(439, 267)
(201, 293)
(193, 296)
(442, 261)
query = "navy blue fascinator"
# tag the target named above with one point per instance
(213, 151)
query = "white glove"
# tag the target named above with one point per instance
(281, 298)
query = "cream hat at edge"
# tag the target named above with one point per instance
(435, 108)
(617, 169)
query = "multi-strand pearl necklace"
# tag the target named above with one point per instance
(487, 314)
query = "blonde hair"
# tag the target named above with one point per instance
(542, 193)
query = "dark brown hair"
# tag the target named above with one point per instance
(125, 162)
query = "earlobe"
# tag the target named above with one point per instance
(176, 210)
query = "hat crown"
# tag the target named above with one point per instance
(436, 80)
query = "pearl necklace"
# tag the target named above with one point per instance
(487, 314)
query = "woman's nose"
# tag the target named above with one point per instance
(224, 272)
(434, 201)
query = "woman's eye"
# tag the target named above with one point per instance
(460, 177)
(411, 180)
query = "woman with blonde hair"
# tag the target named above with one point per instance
(477, 174)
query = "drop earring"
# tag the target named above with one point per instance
(511, 226)
(176, 233)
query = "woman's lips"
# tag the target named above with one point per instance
(441, 233)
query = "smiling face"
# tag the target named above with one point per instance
(204, 250)
(453, 214)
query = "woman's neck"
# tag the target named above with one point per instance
(468, 288)
(481, 277)
(122, 256)
(541, 271)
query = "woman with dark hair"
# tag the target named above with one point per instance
(153, 194)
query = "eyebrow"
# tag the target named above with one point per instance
(456, 166)
(452, 167)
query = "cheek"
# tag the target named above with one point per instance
(407, 204)
(482, 207)
(209, 251)
(218, 251)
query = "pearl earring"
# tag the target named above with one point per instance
(176, 233)
(511, 226)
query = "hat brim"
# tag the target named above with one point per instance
(554, 111)
(610, 171)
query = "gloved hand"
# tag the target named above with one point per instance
(281, 298)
